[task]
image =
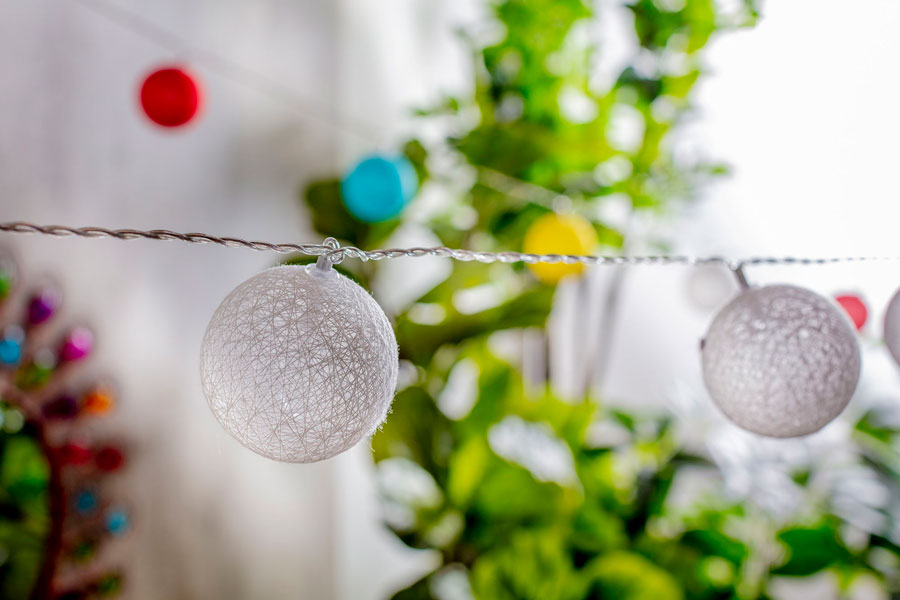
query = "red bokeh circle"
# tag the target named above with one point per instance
(74, 454)
(109, 459)
(855, 308)
(170, 97)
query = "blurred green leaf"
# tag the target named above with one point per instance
(533, 565)
(810, 550)
(467, 468)
(627, 576)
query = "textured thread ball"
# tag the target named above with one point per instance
(559, 234)
(299, 363)
(170, 97)
(378, 188)
(892, 327)
(781, 361)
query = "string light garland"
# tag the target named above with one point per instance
(337, 253)
(299, 363)
(788, 326)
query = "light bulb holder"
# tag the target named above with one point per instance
(329, 259)
(738, 270)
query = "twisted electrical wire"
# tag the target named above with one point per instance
(334, 252)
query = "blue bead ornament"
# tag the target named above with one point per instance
(117, 522)
(379, 187)
(86, 503)
(11, 350)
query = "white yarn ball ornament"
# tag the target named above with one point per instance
(781, 361)
(299, 363)
(892, 327)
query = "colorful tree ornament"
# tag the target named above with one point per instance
(170, 96)
(379, 187)
(42, 306)
(77, 345)
(299, 363)
(11, 345)
(8, 272)
(855, 308)
(52, 497)
(559, 234)
(781, 361)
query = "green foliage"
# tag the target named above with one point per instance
(600, 520)
(627, 576)
(811, 549)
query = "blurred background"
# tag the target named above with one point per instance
(552, 437)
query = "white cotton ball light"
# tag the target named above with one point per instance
(781, 361)
(299, 363)
(892, 327)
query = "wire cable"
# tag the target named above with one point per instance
(336, 253)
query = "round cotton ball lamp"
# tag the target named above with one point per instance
(559, 234)
(170, 96)
(855, 307)
(378, 188)
(299, 363)
(781, 361)
(892, 327)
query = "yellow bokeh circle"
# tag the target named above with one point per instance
(559, 234)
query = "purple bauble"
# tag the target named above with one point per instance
(42, 305)
(77, 345)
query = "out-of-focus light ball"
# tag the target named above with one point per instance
(378, 188)
(892, 327)
(781, 361)
(77, 345)
(42, 306)
(7, 276)
(170, 96)
(117, 522)
(86, 502)
(64, 406)
(11, 345)
(75, 454)
(99, 401)
(299, 363)
(109, 458)
(855, 308)
(710, 286)
(559, 234)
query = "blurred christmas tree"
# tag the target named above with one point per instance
(57, 514)
(510, 482)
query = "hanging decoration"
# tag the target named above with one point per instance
(559, 234)
(378, 188)
(299, 363)
(53, 456)
(855, 308)
(171, 96)
(892, 327)
(781, 361)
